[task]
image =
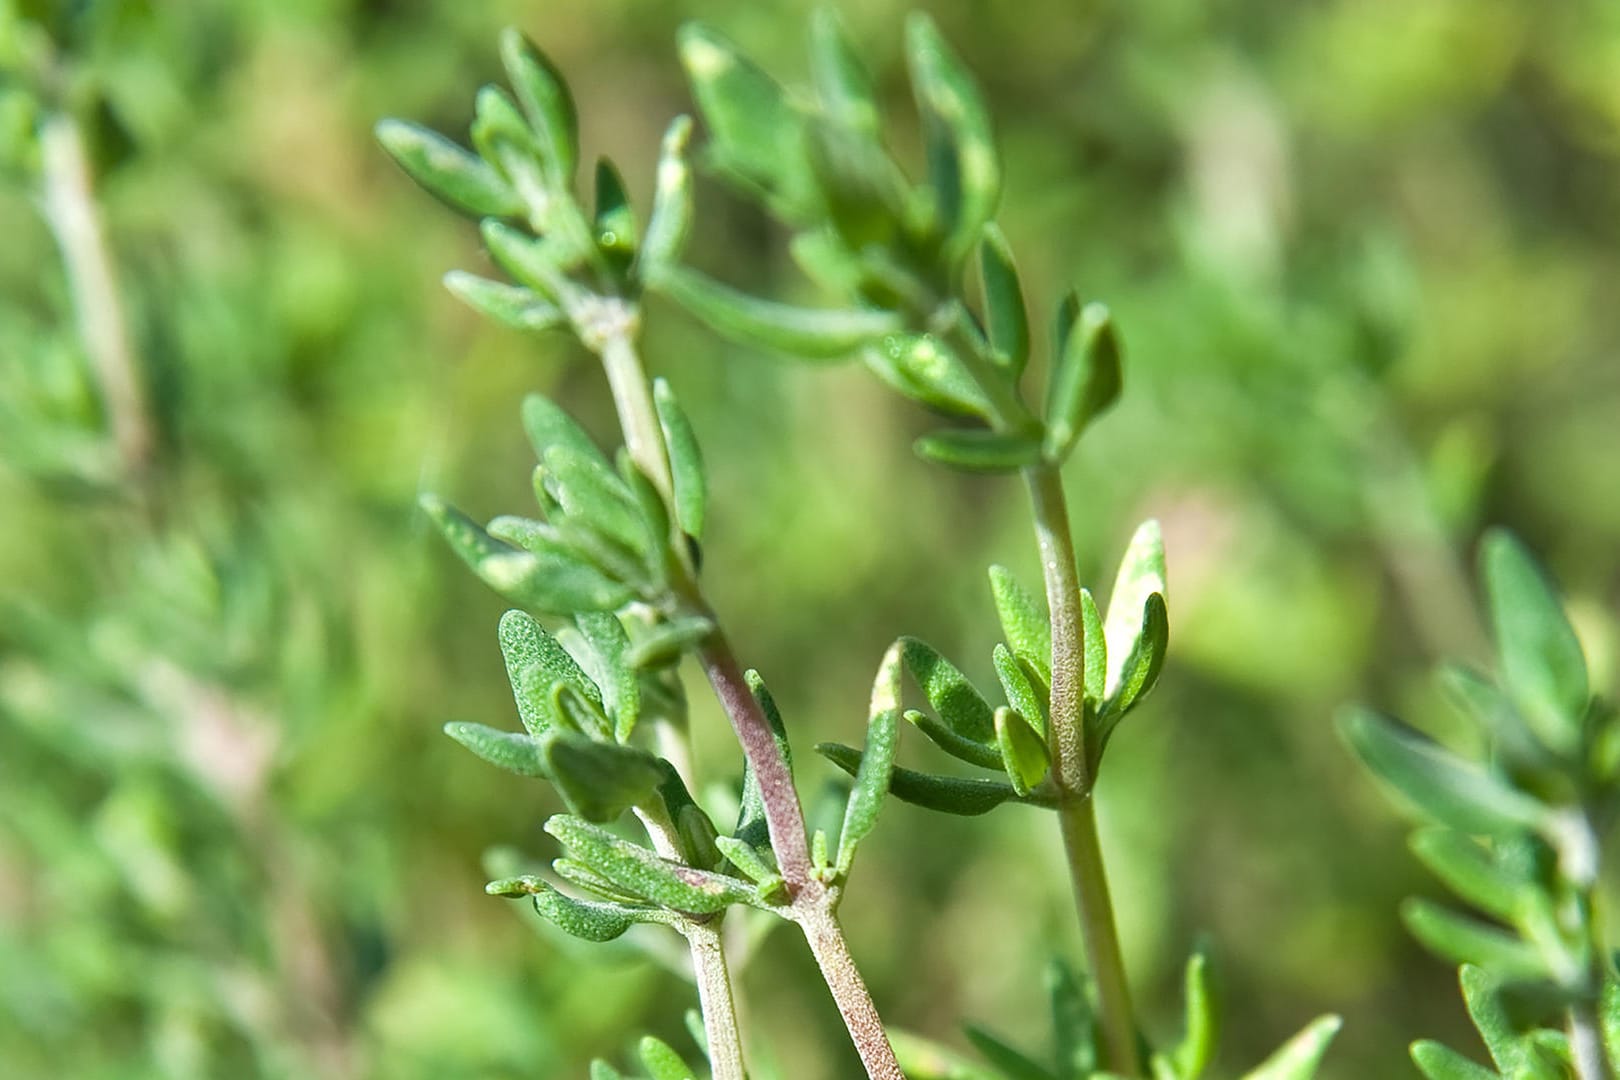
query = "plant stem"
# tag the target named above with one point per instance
(1066, 737)
(75, 221)
(826, 939)
(633, 400)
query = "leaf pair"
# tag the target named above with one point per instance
(617, 868)
(1519, 1051)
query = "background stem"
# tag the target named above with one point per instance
(75, 222)
(1066, 737)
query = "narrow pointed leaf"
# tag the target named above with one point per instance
(1011, 1063)
(668, 642)
(1489, 707)
(620, 686)
(954, 699)
(979, 450)
(1008, 321)
(685, 461)
(928, 371)
(944, 793)
(1299, 1058)
(751, 826)
(924, 1059)
(1439, 1062)
(543, 264)
(577, 713)
(750, 862)
(592, 494)
(964, 169)
(1543, 667)
(1095, 648)
(548, 426)
(548, 104)
(534, 661)
(1086, 381)
(509, 750)
(511, 305)
(1023, 751)
(453, 174)
(1140, 670)
(1482, 992)
(670, 884)
(1141, 574)
(592, 920)
(813, 333)
(872, 778)
(1024, 620)
(1442, 785)
(1468, 870)
(1022, 694)
(984, 755)
(502, 136)
(1074, 1033)
(671, 220)
(1463, 940)
(599, 780)
(843, 85)
(1202, 1018)
(614, 220)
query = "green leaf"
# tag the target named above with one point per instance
(1438, 1062)
(671, 221)
(669, 884)
(752, 863)
(813, 333)
(508, 750)
(1085, 382)
(1023, 751)
(954, 699)
(661, 1060)
(592, 494)
(1074, 1033)
(1463, 940)
(1442, 785)
(1299, 1057)
(964, 169)
(984, 755)
(510, 305)
(1138, 674)
(1024, 620)
(1468, 870)
(614, 219)
(455, 175)
(668, 642)
(843, 85)
(599, 780)
(751, 826)
(685, 461)
(924, 368)
(924, 1059)
(1489, 707)
(1542, 664)
(548, 105)
(1141, 574)
(601, 1070)
(534, 661)
(1005, 315)
(1609, 1015)
(1202, 1024)
(576, 713)
(1022, 693)
(944, 793)
(1095, 648)
(1011, 1063)
(614, 674)
(502, 137)
(872, 778)
(1482, 992)
(592, 920)
(549, 427)
(979, 450)
(757, 134)
(551, 580)
(697, 833)
(541, 264)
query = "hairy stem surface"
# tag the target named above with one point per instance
(715, 1000)
(1066, 738)
(860, 1015)
(75, 222)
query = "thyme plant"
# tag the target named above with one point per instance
(608, 581)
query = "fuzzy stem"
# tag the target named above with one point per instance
(1066, 737)
(638, 416)
(75, 221)
(716, 1002)
(826, 939)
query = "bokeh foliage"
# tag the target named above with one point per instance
(1366, 252)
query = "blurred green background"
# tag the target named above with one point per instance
(1366, 258)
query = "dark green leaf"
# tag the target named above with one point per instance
(1299, 1057)
(1469, 941)
(508, 750)
(1023, 751)
(667, 642)
(599, 780)
(615, 218)
(924, 369)
(534, 661)
(984, 755)
(1024, 620)
(1442, 785)
(548, 426)
(1007, 319)
(1140, 671)
(964, 169)
(592, 494)
(670, 884)
(872, 778)
(944, 793)
(685, 461)
(954, 699)
(1085, 382)
(751, 827)
(548, 104)
(671, 220)
(979, 450)
(614, 674)
(843, 85)
(592, 920)
(576, 713)
(459, 177)
(1542, 664)
(814, 333)
(1073, 1024)
(511, 305)
(1023, 695)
